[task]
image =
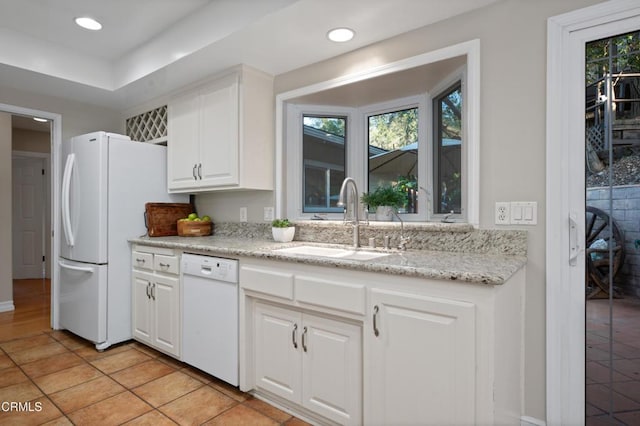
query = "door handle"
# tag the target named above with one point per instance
(153, 291)
(75, 268)
(200, 170)
(574, 247)
(376, 332)
(293, 336)
(304, 339)
(148, 295)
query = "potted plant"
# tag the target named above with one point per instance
(282, 230)
(384, 199)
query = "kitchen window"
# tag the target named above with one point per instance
(442, 91)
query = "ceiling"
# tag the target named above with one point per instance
(150, 47)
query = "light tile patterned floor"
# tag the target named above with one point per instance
(61, 380)
(624, 389)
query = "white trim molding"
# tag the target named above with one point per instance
(7, 306)
(565, 189)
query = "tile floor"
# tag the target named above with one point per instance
(66, 381)
(625, 383)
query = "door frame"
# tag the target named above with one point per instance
(45, 158)
(565, 291)
(54, 166)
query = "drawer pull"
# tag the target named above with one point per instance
(293, 336)
(164, 265)
(139, 260)
(375, 320)
(304, 340)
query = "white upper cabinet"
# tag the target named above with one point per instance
(221, 134)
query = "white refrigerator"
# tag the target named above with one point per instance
(107, 180)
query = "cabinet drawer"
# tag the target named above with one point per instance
(331, 294)
(167, 264)
(266, 281)
(142, 260)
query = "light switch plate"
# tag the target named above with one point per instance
(268, 214)
(243, 214)
(524, 213)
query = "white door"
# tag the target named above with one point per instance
(565, 239)
(141, 306)
(83, 299)
(183, 153)
(422, 368)
(28, 218)
(165, 297)
(219, 135)
(277, 347)
(332, 369)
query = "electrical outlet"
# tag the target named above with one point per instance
(268, 214)
(243, 214)
(503, 213)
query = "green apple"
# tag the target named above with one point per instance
(192, 216)
(206, 218)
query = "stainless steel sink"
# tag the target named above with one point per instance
(333, 252)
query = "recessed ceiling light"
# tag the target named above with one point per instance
(340, 35)
(41, 120)
(88, 23)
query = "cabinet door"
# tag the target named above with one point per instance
(219, 134)
(332, 369)
(166, 314)
(183, 154)
(422, 365)
(141, 307)
(277, 349)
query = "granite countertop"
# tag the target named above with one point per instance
(482, 268)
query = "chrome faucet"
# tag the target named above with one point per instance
(402, 245)
(342, 201)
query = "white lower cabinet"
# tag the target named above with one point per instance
(364, 348)
(309, 360)
(156, 299)
(422, 360)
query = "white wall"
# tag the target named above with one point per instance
(6, 287)
(513, 40)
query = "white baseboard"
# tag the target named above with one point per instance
(7, 306)
(531, 421)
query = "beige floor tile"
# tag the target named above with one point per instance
(71, 341)
(171, 361)
(90, 353)
(35, 412)
(5, 361)
(197, 374)
(112, 411)
(120, 361)
(11, 376)
(198, 406)
(36, 353)
(142, 373)
(167, 388)
(268, 410)
(51, 364)
(294, 421)
(60, 421)
(67, 378)
(241, 415)
(20, 392)
(17, 345)
(86, 393)
(229, 390)
(152, 418)
(146, 349)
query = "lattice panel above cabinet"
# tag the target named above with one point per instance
(150, 126)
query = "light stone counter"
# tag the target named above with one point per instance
(483, 268)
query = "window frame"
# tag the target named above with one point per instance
(286, 191)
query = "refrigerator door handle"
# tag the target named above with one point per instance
(75, 268)
(66, 188)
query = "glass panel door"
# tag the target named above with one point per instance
(612, 223)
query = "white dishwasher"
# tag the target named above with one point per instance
(210, 315)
